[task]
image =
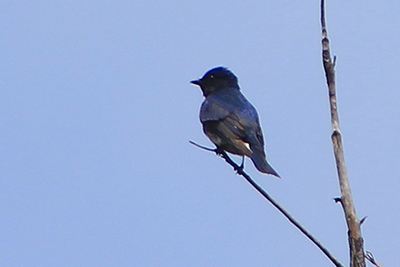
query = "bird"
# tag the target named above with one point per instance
(229, 120)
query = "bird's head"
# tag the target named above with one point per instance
(217, 79)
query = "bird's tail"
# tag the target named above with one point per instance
(262, 164)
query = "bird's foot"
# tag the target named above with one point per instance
(239, 169)
(242, 165)
(219, 152)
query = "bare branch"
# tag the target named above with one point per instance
(203, 147)
(346, 199)
(275, 203)
(370, 257)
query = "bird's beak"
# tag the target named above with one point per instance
(196, 82)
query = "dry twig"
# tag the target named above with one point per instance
(356, 242)
(275, 203)
(370, 257)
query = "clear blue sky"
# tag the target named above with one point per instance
(97, 111)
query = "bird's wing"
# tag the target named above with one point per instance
(248, 117)
(257, 134)
(236, 114)
(224, 113)
(212, 110)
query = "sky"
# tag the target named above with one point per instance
(97, 112)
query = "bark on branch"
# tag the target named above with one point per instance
(353, 223)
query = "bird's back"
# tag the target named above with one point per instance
(228, 102)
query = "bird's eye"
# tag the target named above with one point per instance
(212, 77)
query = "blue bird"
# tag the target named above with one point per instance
(229, 120)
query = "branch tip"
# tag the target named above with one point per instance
(363, 220)
(370, 257)
(337, 199)
(276, 204)
(204, 147)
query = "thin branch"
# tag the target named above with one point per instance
(203, 147)
(370, 257)
(346, 199)
(275, 203)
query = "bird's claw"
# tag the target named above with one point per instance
(239, 169)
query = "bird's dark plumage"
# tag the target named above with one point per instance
(229, 120)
